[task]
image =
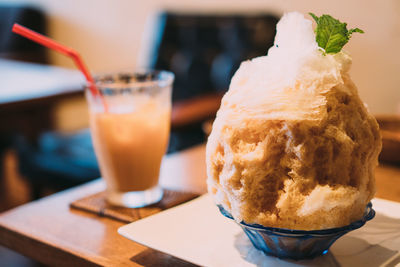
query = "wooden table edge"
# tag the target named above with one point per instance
(38, 249)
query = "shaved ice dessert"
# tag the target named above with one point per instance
(293, 146)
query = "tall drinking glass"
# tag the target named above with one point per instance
(130, 126)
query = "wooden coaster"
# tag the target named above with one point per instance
(97, 204)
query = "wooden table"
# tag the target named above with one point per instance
(49, 231)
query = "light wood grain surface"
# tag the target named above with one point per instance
(50, 232)
(47, 230)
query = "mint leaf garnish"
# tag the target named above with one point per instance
(331, 34)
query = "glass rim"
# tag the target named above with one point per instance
(142, 78)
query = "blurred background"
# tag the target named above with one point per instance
(115, 34)
(44, 143)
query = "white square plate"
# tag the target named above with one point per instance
(198, 233)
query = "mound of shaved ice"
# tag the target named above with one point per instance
(293, 146)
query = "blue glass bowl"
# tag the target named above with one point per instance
(297, 244)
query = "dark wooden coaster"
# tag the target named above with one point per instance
(97, 204)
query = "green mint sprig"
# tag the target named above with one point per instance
(331, 34)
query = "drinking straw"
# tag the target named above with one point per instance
(50, 43)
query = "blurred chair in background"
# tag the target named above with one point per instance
(15, 47)
(57, 161)
(203, 51)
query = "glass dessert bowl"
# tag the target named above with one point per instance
(297, 244)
